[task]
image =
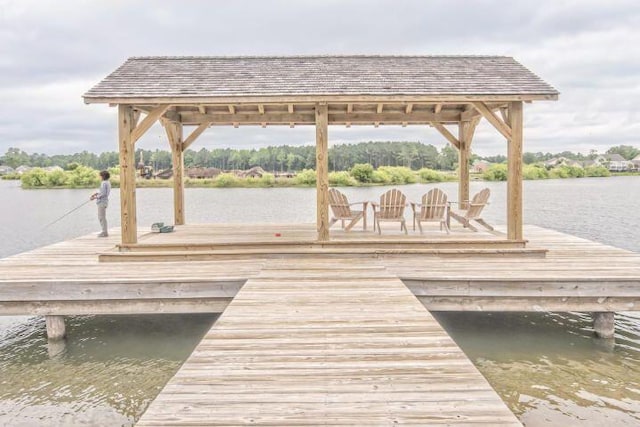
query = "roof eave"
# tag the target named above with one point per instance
(266, 99)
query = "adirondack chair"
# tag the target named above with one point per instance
(342, 211)
(473, 211)
(391, 208)
(433, 208)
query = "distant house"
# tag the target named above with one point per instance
(617, 163)
(480, 166)
(5, 170)
(636, 162)
(22, 169)
(562, 161)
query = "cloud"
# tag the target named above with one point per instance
(51, 52)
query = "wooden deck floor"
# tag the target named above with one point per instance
(327, 343)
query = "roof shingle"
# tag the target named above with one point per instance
(210, 77)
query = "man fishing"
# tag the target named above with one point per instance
(102, 200)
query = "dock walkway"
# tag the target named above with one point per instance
(327, 342)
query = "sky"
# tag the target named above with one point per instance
(52, 52)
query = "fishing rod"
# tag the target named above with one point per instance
(70, 212)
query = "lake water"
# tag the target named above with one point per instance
(546, 366)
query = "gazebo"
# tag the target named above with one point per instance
(444, 92)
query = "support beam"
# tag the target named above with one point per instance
(194, 135)
(147, 122)
(174, 133)
(232, 109)
(514, 173)
(322, 170)
(408, 109)
(380, 108)
(604, 324)
(55, 327)
(290, 108)
(260, 108)
(437, 108)
(464, 153)
(445, 132)
(349, 108)
(129, 227)
(202, 109)
(500, 126)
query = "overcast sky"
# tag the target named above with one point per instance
(51, 52)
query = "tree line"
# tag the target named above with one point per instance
(413, 155)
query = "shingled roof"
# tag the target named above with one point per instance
(190, 78)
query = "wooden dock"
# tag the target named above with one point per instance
(326, 342)
(322, 334)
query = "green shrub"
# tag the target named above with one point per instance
(429, 175)
(535, 171)
(34, 178)
(342, 179)
(363, 172)
(115, 170)
(399, 174)
(268, 180)
(596, 171)
(83, 177)
(227, 180)
(381, 177)
(306, 177)
(567, 172)
(56, 178)
(497, 172)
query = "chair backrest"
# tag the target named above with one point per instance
(392, 204)
(434, 205)
(339, 204)
(478, 203)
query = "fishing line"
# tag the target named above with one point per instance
(70, 212)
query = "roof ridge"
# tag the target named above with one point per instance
(309, 56)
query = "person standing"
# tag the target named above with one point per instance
(102, 200)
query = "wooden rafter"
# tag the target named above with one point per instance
(261, 108)
(302, 118)
(232, 109)
(202, 109)
(148, 121)
(380, 108)
(349, 108)
(497, 123)
(194, 135)
(290, 108)
(504, 112)
(437, 108)
(408, 108)
(445, 132)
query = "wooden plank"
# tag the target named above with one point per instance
(338, 357)
(127, 175)
(174, 132)
(147, 122)
(500, 126)
(322, 170)
(445, 132)
(194, 135)
(514, 175)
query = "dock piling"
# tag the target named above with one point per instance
(55, 328)
(604, 324)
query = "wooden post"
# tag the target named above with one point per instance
(129, 226)
(55, 327)
(322, 171)
(604, 324)
(514, 177)
(174, 132)
(464, 153)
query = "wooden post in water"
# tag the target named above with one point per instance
(604, 324)
(126, 123)
(55, 327)
(322, 171)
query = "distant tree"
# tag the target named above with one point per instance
(626, 151)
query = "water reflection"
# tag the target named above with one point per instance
(105, 374)
(550, 370)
